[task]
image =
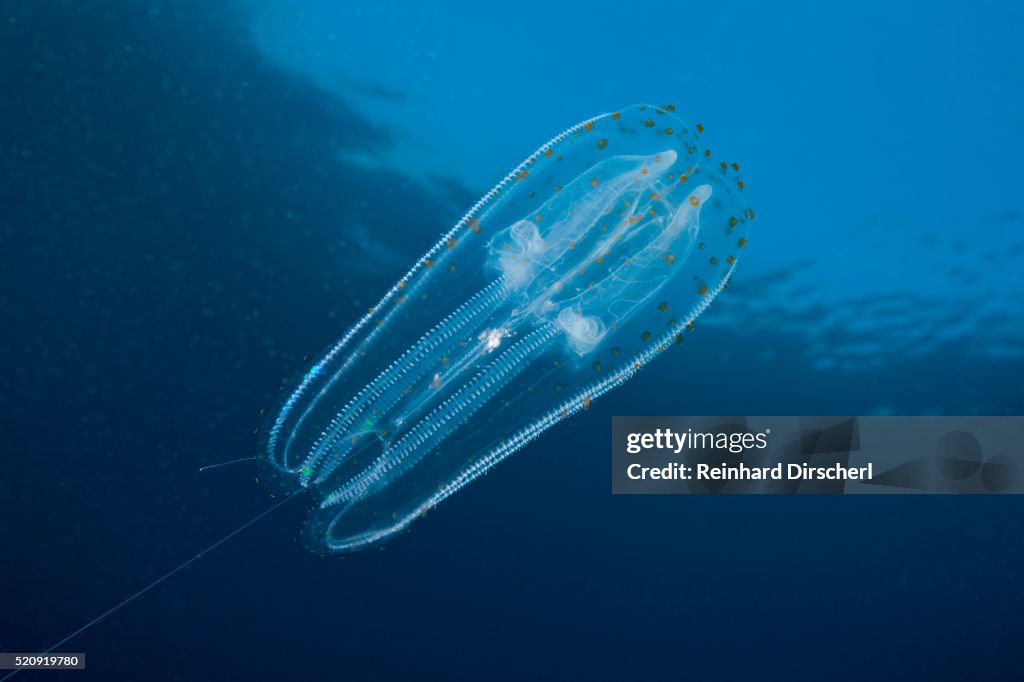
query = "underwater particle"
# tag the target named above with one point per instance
(670, 258)
(645, 337)
(601, 144)
(663, 306)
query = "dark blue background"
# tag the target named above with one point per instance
(190, 204)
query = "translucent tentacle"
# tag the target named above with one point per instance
(386, 390)
(432, 429)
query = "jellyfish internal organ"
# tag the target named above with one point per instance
(589, 259)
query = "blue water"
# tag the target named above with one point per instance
(195, 196)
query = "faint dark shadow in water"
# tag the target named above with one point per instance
(975, 305)
(178, 227)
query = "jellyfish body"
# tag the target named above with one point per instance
(592, 257)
